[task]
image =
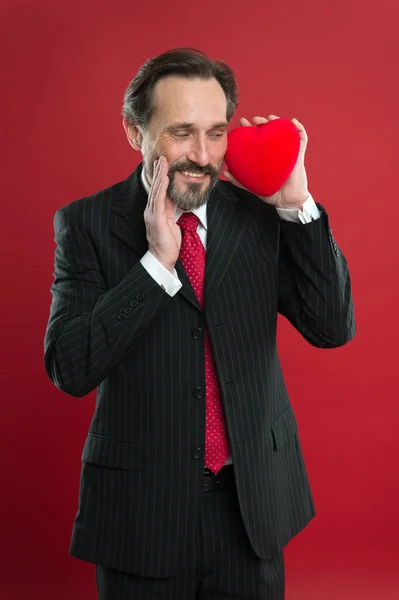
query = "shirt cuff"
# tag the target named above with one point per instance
(168, 281)
(309, 212)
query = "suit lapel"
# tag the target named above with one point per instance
(227, 224)
(128, 202)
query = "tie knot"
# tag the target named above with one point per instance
(188, 221)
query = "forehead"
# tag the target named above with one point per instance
(196, 101)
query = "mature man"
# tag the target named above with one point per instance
(166, 294)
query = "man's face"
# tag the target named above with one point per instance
(189, 128)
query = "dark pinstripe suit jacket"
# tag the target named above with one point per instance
(112, 327)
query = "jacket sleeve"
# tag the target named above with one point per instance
(92, 329)
(314, 283)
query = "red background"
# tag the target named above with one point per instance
(334, 66)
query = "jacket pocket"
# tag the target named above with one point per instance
(111, 452)
(284, 427)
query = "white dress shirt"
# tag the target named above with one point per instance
(171, 283)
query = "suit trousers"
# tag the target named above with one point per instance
(222, 564)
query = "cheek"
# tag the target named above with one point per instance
(173, 151)
(150, 156)
(219, 152)
(167, 145)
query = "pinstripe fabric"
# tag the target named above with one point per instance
(221, 565)
(111, 326)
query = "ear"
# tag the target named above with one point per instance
(133, 135)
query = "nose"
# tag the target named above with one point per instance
(199, 151)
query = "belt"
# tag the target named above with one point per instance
(222, 480)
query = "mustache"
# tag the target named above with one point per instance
(194, 168)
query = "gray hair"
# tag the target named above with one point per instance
(184, 62)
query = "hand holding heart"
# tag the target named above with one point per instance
(294, 191)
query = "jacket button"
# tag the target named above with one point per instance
(121, 317)
(133, 303)
(197, 333)
(127, 310)
(199, 392)
(196, 453)
(140, 297)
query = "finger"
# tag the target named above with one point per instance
(161, 199)
(301, 129)
(156, 183)
(162, 186)
(245, 122)
(272, 117)
(299, 125)
(260, 120)
(233, 180)
(170, 206)
(161, 168)
(158, 206)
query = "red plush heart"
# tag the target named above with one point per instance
(261, 158)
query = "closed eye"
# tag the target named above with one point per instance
(183, 135)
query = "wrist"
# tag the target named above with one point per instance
(293, 205)
(170, 268)
(167, 265)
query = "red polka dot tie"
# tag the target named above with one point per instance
(192, 255)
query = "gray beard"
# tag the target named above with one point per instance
(193, 198)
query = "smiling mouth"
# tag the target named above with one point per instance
(193, 175)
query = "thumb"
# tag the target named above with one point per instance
(233, 180)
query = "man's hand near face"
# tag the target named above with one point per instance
(163, 233)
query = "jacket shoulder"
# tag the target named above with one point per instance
(99, 202)
(250, 201)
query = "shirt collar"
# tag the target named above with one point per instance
(199, 212)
